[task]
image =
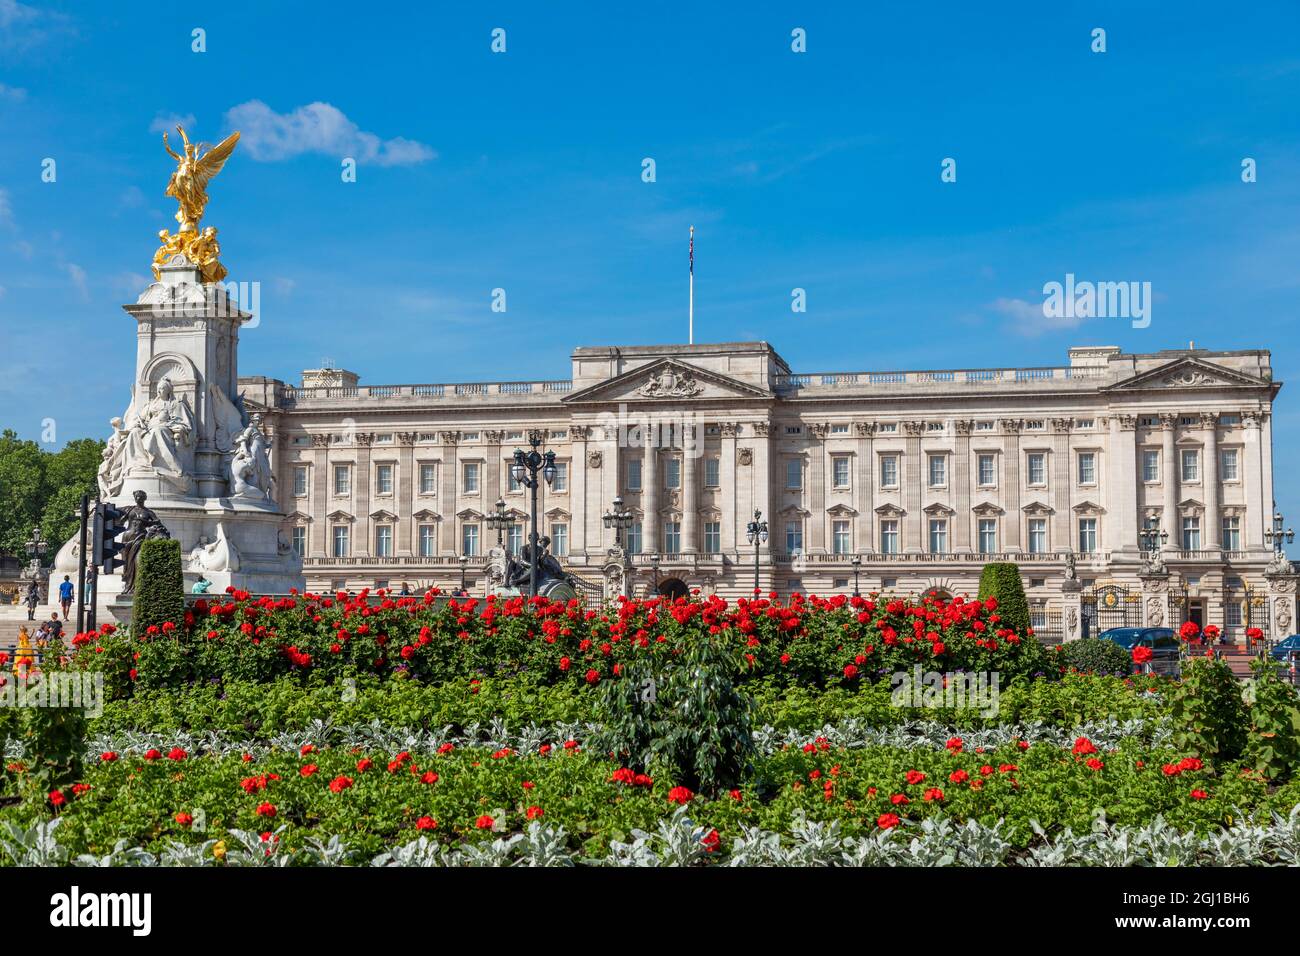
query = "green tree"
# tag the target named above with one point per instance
(1001, 580)
(159, 585)
(39, 487)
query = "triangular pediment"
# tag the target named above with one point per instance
(340, 516)
(382, 515)
(424, 514)
(842, 511)
(668, 380)
(987, 509)
(938, 508)
(890, 511)
(1188, 373)
(1088, 508)
(1038, 509)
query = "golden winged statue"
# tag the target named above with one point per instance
(188, 184)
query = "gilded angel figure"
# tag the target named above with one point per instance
(188, 183)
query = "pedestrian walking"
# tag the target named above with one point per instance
(32, 600)
(65, 595)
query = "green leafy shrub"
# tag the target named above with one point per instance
(1001, 580)
(1091, 655)
(1208, 715)
(159, 585)
(54, 738)
(1273, 741)
(686, 713)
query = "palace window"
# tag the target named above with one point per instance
(1231, 534)
(342, 543)
(794, 537)
(1150, 464)
(889, 471)
(1087, 468)
(987, 474)
(1037, 535)
(469, 479)
(672, 472)
(938, 471)
(342, 479)
(634, 474)
(712, 468)
(561, 482)
(383, 479)
(469, 540)
(634, 538)
(428, 541)
(988, 535)
(939, 535)
(384, 541)
(1232, 613)
(1087, 535)
(985, 426)
(1191, 533)
(712, 537)
(840, 429)
(300, 481)
(1229, 420)
(1191, 465)
(841, 537)
(560, 540)
(1228, 464)
(840, 471)
(299, 540)
(793, 474)
(889, 537)
(428, 479)
(672, 537)
(515, 538)
(1038, 468)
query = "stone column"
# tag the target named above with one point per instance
(1282, 604)
(1155, 599)
(1064, 534)
(1014, 519)
(865, 540)
(960, 469)
(362, 545)
(1120, 496)
(692, 449)
(1072, 610)
(447, 480)
(728, 500)
(1169, 481)
(762, 494)
(816, 491)
(578, 504)
(1212, 533)
(650, 538)
(318, 546)
(1259, 501)
(405, 492)
(913, 487)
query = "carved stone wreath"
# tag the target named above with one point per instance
(745, 456)
(594, 458)
(1155, 611)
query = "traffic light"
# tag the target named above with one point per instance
(109, 523)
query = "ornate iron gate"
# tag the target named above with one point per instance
(1110, 605)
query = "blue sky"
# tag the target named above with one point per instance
(522, 171)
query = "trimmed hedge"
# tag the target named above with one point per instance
(1002, 581)
(1092, 655)
(159, 584)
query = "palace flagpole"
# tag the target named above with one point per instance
(691, 329)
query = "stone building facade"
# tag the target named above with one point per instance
(922, 476)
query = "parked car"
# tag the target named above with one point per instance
(1163, 642)
(1284, 649)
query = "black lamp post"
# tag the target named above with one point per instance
(619, 518)
(36, 548)
(499, 519)
(464, 562)
(857, 566)
(1275, 535)
(1151, 537)
(756, 534)
(525, 470)
(654, 566)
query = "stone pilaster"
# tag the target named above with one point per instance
(1014, 522)
(865, 539)
(913, 479)
(1169, 465)
(692, 449)
(1211, 534)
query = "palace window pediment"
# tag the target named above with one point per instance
(424, 514)
(1037, 509)
(842, 511)
(1088, 508)
(667, 380)
(890, 511)
(340, 515)
(987, 509)
(939, 509)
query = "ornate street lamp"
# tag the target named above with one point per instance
(499, 519)
(1151, 539)
(756, 534)
(524, 471)
(619, 519)
(857, 566)
(36, 548)
(654, 566)
(1275, 535)
(464, 563)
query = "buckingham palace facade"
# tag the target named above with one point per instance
(921, 476)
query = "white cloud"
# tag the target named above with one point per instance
(1027, 318)
(15, 94)
(78, 277)
(269, 136)
(23, 27)
(167, 122)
